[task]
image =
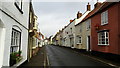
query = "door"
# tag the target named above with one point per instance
(88, 43)
(71, 42)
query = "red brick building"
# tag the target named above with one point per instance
(105, 28)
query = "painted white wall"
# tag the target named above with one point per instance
(82, 17)
(11, 9)
(84, 34)
(72, 25)
(2, 40)
(65, 36)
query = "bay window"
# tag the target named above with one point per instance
(103, 38)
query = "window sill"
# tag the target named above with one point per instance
(18, 8)
(87, 29)
(103, 44)
(79, 43)
(14, 46)
(104, 24)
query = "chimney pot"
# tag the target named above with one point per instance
(88, 7)
(79, 15)
(97, 4)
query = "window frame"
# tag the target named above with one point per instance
(88, 25)
(79, 40)
(18, 46)
(105, 37)
(19, 7)
(104, 17)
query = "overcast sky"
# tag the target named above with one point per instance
(54, 15)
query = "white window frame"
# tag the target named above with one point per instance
(19, 3)
(105, 38)
(104, 17)
(15, 40)
(88, 24)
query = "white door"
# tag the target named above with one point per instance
(88, 43)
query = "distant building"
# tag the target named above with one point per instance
(46, 41)
(41, 39)
(71, 32)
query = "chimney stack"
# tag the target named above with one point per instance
(79, 15)
(97, 4)
(88, 7)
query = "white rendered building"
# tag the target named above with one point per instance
(14, 18)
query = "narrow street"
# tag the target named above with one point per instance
(60, 33)
(59, 56)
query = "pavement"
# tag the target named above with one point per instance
(62, 57)
(37, 61)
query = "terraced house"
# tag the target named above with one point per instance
(105, 31)
(70, 36)
(96, 31)
(14, 17)
(82, 31)
(34, 38)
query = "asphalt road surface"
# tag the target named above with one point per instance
(59, 56)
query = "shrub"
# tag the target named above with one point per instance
(15, 57)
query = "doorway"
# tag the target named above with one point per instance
(71, 42)
(88, 43)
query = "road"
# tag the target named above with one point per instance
(59, 56)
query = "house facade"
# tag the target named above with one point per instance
(35, 38)
(68, 37)
(83, 33)
(71, 33)
(105, 31)
(82, 30)
(14, 18)
(65, 37)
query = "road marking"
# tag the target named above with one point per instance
(48, 62)
(44, 59)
